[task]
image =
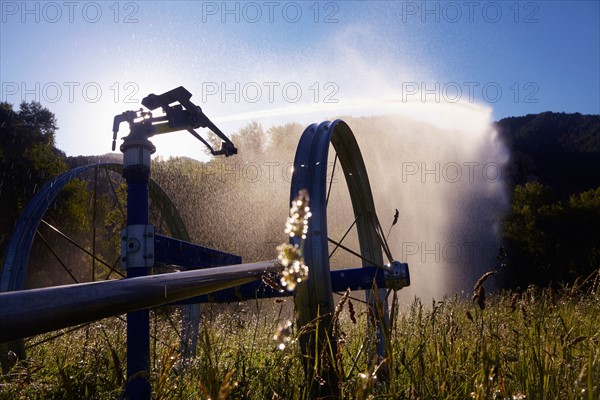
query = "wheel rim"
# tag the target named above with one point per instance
(16, 262)
(314, 298)
(16, 265)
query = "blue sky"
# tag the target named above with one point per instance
(305, 61)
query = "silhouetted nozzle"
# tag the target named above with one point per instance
(227, 149)
(127, 116)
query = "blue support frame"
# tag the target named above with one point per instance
(190, 255)
(137, 150)
(138, 322)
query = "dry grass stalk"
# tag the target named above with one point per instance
(479, 290)
(351, 311)
(469, 316)
(513, 302)
(227, 386)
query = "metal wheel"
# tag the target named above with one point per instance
(96, 254)
(314, 298)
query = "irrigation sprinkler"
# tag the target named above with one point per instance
(213, 276)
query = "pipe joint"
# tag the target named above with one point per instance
(397, 275)
(137, 246)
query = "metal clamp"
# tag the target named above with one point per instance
(397, 275)
(137, 246)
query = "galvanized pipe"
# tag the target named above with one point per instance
(30, 312)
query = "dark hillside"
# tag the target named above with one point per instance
(551, 233)
(558, 150)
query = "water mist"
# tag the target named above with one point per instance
(444, 175)
(437, 161)
(446, 183)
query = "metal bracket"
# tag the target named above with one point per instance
(397, 275)
(137, 246)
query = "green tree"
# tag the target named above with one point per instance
(28, 159)
(551, 241)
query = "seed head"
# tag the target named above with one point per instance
(513, 302)
(288, 254)
(283, 335)
(483, 279)
(297, 223)
(479, 296)
(479, 290)
(295, 273)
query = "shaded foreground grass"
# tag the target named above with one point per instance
(532, 345)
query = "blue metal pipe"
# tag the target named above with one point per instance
(353, 279)
(31, 312)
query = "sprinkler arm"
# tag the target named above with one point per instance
(183, 116)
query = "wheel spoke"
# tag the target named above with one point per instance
(114, 269)
(384, 244)
(56, 256)
(354, 253)
(374, 221)
(344, 237)
(62, 333)
(74, 243)
(112, 187)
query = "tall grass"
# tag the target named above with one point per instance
(537, 344)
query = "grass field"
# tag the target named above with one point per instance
(537, 344)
